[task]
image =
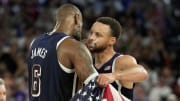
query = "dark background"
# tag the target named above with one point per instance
(151, 33)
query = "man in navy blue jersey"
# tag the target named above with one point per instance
(55, 58)
(122, 70)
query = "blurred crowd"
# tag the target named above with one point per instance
(151, 34)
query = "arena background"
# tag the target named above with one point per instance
(151, 34)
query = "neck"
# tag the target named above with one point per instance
(61, 29)
(102, 57)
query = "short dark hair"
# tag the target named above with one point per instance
(115, 26)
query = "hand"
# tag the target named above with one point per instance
(104, 79)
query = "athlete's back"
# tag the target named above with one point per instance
(48, 81)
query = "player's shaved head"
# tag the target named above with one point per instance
(67, 10)
(69, 20)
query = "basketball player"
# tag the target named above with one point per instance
(2, 90)
(123, 68)
(55, 57)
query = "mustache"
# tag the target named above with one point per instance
(92, 43)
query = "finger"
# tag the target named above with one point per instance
(101, 81)
(98, 81)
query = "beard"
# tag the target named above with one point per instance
(77, 33)
(97, 49)
(77, 37)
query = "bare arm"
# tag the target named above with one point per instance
(82, 62)
(127, 69)
(74, 55)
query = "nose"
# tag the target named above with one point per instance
(91, 36)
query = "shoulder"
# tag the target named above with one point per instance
(125, 61)
(72, 46)
(126, 58)
(75, 45)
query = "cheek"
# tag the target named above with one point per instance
(101, 43)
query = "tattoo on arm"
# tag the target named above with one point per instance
(83, 62)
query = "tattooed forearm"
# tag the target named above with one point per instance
(84, 66)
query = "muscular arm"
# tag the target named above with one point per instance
(82, 62)
(74, 55)
(127, 69)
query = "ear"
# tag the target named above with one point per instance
(112, 40)
(76, 19)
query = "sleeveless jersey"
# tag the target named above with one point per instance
(49, 80)
(108, 67)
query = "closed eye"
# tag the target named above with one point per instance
(98, 34)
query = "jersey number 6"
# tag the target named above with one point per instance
(36, 81)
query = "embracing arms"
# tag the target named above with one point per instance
(126, 71)
(74, 55)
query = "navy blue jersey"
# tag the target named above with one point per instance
(48, 79)
(108, 68)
